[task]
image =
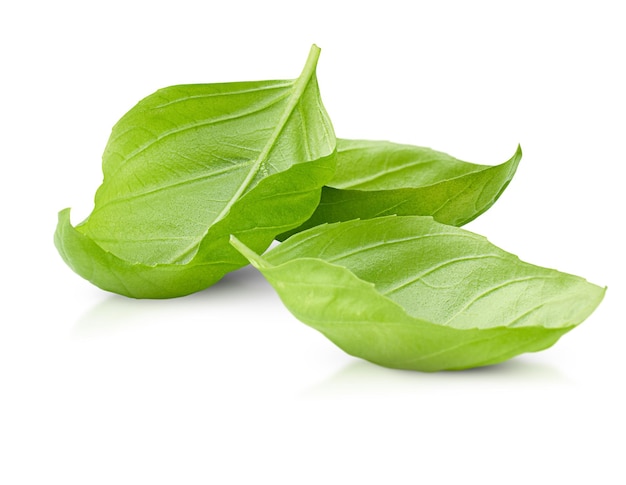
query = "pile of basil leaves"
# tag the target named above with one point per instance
(200, 179)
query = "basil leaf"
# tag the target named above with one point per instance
(190, 165)
(379, 178)
(408, 292)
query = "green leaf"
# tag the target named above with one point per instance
(190, 165)
(379, 178)
(408, 292)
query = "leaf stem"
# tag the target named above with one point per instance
(257, 261)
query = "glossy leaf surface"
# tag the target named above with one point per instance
(408, 292)
(379, 178)
(190, 165)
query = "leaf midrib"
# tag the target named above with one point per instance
(298, 90)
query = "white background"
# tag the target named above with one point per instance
(225, 386)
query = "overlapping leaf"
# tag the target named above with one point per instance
(379, 178)
(190, 165)
(408, 292)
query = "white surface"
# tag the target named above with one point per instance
(225, 386)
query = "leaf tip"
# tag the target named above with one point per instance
(64, 214)
(517, 156)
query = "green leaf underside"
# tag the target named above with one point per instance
(408, 292)
(379, 178)
(178, 165)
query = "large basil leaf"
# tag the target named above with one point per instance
(408, 292)
(379, 178)
(190, 165)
